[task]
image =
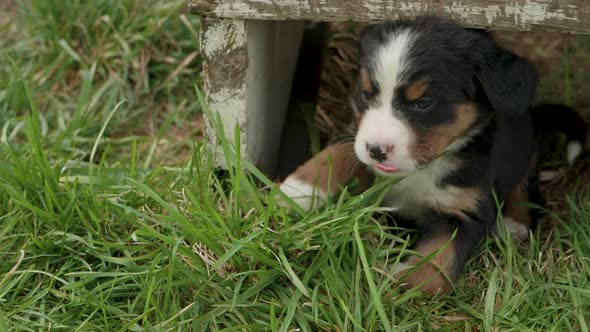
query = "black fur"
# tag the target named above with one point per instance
(552, 118)
(464, 65)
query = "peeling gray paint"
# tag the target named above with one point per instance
(223, 45)
(563, 15)
(248, 68)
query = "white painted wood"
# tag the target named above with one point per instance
(225, 64)
(273, 49)
(560, 15)
(248, 71)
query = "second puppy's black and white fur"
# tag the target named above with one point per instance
(450, 111)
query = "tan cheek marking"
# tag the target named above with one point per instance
(513, 207)
(432, 142)
(333, 167)
(415, 90)
(433, 276)
(467, 200)
(366, 84)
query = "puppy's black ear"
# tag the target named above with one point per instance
(508, 81)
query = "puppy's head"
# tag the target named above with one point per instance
(424, 86)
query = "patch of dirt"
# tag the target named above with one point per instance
(7, 5)
(177, 144)
(7, 10)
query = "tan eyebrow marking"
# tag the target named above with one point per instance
(366, 84)
(432, 142)
(416, 90)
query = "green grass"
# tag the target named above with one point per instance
(112, 217)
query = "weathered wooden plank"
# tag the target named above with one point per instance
(225, 65)
(558, 15)
(248, 70)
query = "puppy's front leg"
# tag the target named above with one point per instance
(323, 176)
(441, 258)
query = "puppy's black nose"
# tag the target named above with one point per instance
(377, 152)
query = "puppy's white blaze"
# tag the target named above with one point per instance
(391, 61)
(517, 230)
(573, 151)
(420, 188)
(379, 124)
(303, 194)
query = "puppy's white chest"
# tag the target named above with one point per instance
(420, 191)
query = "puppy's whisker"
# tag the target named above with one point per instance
(344, 138)
(425, 154)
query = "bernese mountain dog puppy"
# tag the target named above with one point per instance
(449, 111)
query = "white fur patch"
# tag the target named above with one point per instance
(303, 194)
(460, 142)
(379, 125)
(574, 149)
(420, 189)
(517, 230)
(401, 267)
(391, 61)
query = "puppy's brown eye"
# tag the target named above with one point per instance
(366, 94)
(424, 102)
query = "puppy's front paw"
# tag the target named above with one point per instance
(517, 230)
(400, 267)
(302, 193)
(429, 278)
